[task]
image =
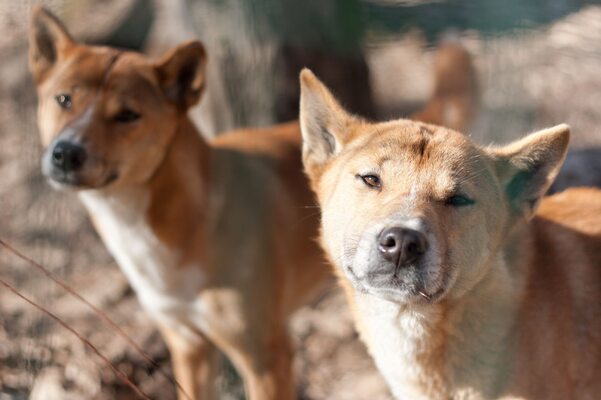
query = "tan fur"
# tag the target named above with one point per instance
(505, 301)
(454, 101)
(215, 237)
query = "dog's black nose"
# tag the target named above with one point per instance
(402, 246)
(68, 156)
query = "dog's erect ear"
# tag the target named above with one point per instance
(527, 167)
(324, 123)
(181, 73)
(48, 42)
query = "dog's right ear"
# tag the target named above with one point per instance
(324, 123)
(48, 42)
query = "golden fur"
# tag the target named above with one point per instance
(504, 301)
(216, 238)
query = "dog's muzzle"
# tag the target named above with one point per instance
(68, 157)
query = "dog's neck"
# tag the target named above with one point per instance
(172, 202)
(454, 347)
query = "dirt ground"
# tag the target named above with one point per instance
(528, 79)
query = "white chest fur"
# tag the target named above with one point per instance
(396, 340)
(426, 353)
(166, 289)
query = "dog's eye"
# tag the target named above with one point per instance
(126, 116)
(459, 201)
(63, 100)
(371, 180)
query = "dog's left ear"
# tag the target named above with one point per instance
(181, 73)
(49, 42)
(527, 167)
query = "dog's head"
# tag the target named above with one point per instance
(415, 212)
(107, 116)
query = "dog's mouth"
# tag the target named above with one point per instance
(71, 180)
(409, 288)
(94, 174)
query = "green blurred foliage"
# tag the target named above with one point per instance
(343, 24)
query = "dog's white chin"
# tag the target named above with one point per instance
(90, 183)
(56, 185)
(401, 297)
(431, 291)
(64, 186)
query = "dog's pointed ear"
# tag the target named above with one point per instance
(181, 73)
(49, 41)
(324, 123)
(528, 167)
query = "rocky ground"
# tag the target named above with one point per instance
(528, 79)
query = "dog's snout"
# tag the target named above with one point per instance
(402, 246)
(68, 156)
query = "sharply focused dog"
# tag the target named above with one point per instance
(463, 282)
(216, 238)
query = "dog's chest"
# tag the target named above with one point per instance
(423, 355)
(166, 289)
(400, 345)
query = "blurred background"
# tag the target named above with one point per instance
(537, 63)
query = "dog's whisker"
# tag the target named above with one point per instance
(424, 295)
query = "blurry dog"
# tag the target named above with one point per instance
(215, 237)
(459, 287)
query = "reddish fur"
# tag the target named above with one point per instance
(196, 198)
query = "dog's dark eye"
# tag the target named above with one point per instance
(459, 201)
(373, 181)
(126, 116)
(63, 100)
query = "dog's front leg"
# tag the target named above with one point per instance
(267, 370)
(194, 363)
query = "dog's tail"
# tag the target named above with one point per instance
(456, 96)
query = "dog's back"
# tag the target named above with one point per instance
(560, 319)
(266, 163)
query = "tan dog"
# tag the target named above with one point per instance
(455, 293)
(215, 238)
